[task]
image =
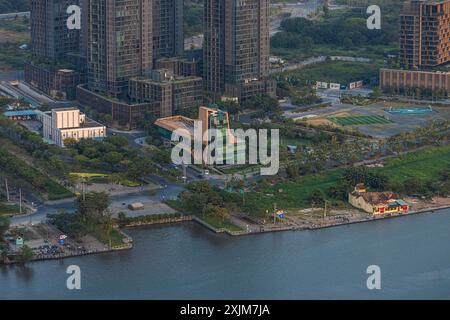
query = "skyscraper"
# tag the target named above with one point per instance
(50, 37)
(425, 33)
(120, 43)
(168, 37)
(236, 47)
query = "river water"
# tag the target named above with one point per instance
(186, 261)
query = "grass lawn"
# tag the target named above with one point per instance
(426, 165)
(360, 120)
(241, 169)
(337, 72)
(100, 234)
(217, 222)
(7, 209)
(371, 52)
(294, 195)
(13, 33)
(88, 175)
(36, 180)
(129, 183)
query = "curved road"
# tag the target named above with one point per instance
(168, 191)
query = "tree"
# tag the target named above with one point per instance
(293, 170)
(107, 224)
(376, 93)
(113, 157)
(316, 197)
(70, 223)
(118, 141)
(364, 175)
(25, 254)
(223, 213)
(339, 191)
(123, 220)
(140, 168)
(326, 10)
(108, 119)
(92, 206)
(70, 142)
(4, 226)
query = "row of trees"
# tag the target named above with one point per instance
(7, 6)
(112, 155)
(92, 211)
(344, 30)
(205, 200)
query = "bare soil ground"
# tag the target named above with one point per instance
(420, 204)
(150, 208)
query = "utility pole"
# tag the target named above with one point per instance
(83, 192)
(325, 209)
(7, 189)
(274, 212)
(20, 200)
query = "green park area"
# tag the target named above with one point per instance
(8, 209)
(21, 173)
(341, 32)
(360, 120)
(411, 173)
(342, 72)
(13, 34)
(208, 203)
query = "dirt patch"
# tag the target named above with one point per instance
(150, 208)
(320, 122)
(11, 36)
(421, 204)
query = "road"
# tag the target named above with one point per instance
(167, 192)
(9, 16)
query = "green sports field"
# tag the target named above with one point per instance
(360, 120)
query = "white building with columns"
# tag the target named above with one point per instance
(64, 123)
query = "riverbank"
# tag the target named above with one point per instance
(378, 218)
(76, 251)
(186, 261)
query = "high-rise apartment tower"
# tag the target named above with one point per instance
(236, 47)
(425, 34)
(50, 37)
(119, 43)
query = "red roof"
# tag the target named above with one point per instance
(376, 198)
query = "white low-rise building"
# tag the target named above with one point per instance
(64, 123)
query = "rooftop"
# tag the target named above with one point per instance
(176, 122)
(377, 198)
